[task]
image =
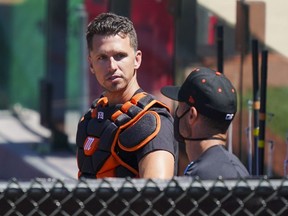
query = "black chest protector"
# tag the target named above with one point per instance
(106, 136)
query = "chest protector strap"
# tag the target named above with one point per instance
(128, 128)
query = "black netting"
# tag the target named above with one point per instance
(119, 196)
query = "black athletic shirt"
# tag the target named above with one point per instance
(215, 162)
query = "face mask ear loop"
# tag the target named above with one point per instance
(183, 114)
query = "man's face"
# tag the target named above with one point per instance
(114, 62)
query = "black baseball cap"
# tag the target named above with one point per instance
(209, 91)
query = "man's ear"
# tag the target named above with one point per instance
(90, 64)
(138, 59)
(193, 114)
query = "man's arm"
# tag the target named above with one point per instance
(157, 164)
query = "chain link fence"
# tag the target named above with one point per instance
(178, 196)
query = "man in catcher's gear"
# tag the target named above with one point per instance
(126, 132)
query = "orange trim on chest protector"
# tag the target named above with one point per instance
(126, 106)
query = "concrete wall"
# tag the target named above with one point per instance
(276, 29)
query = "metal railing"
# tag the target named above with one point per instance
(119, 196)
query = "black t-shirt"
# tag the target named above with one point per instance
(214, 162)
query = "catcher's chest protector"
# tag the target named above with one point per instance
(105, 131)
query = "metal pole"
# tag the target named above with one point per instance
(241, 103)
(56, 68)
(82, 16)
(286, 157)
(262, 113)
(220, 48)
(270, 158)
(256, 102)
(220, 68)
(249, 137)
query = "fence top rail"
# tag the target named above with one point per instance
(116, 184)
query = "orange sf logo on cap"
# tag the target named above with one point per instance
(191, 99)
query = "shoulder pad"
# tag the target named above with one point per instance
(140, 132)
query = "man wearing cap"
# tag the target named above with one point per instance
(207, 104)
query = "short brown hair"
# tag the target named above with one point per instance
(220, 126)
(111, 24)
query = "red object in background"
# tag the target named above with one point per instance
(155, 30)
(212, 29)
(95, 7)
